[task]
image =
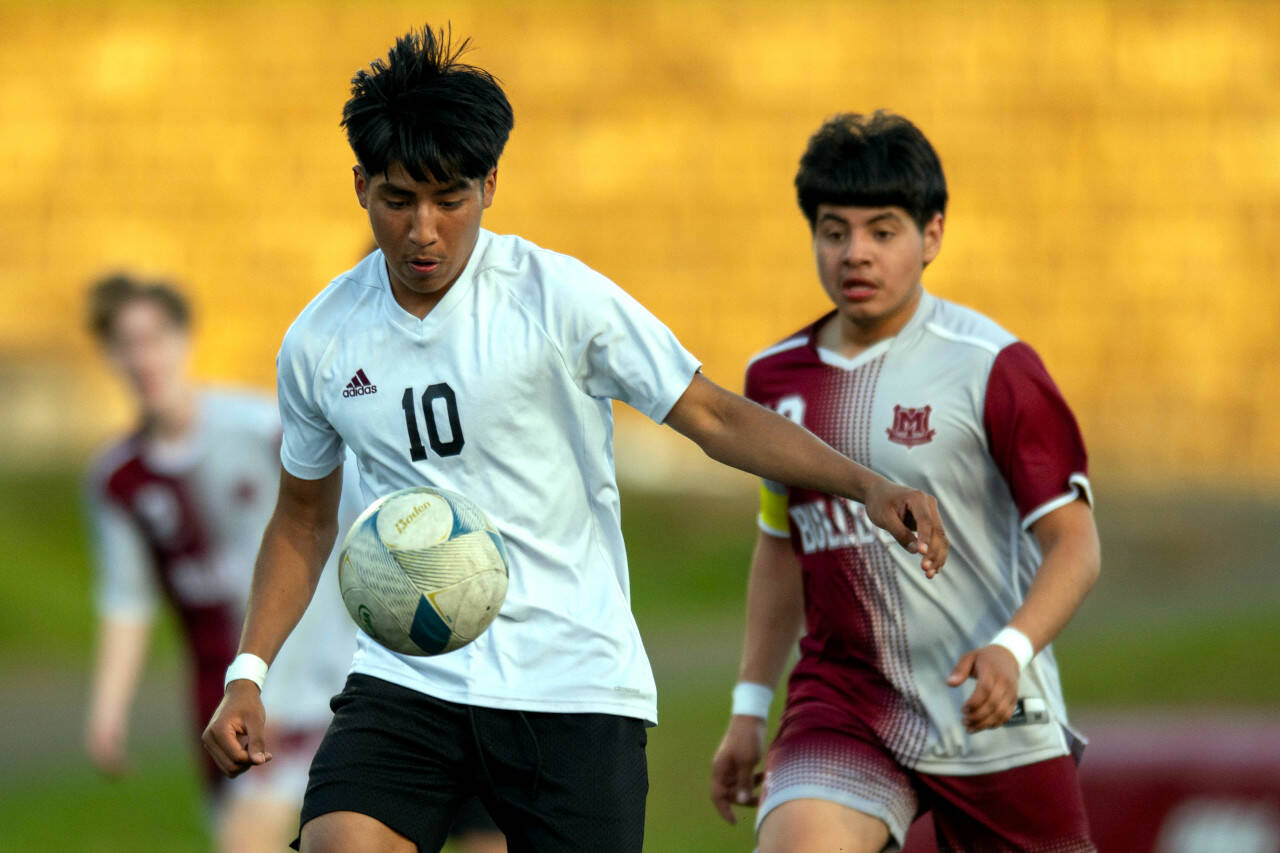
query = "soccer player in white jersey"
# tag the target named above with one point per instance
(178, 508)
(487, 365)
(910, 696)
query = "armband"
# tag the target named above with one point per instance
(247, 666)
(752, 700)
(1018, 644)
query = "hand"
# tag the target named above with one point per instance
(733, 776)
(900, 511)
(234, 737)
(993, 700)
(105, 742)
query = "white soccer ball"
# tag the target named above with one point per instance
(423, 571)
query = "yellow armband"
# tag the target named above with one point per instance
(773, 510)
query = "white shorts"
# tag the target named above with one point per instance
(284, 777)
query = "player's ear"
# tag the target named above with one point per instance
(362, 185)
(932, 235)
(489, 188)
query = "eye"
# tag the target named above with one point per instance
(834, 236)
(883, 234)
(451, 204)
(395, 204)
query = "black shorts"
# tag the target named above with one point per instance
(471, 817)
(552, 782)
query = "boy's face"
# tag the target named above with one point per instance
(425, 229)
(870, 260)
(149, 350)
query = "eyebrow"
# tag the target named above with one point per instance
(879, 217)
(888, 214)
(457, 185)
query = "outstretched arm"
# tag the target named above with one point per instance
(293, 553)
(775, 618)
(740, 433)
(1072, 560)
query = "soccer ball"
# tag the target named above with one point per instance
(423, 571)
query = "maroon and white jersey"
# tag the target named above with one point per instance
(956, 406)
(182, 522)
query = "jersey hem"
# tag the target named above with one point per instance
(307, 472)
(972, 767)
(1079, 488)
(647, 712)
(659, 415)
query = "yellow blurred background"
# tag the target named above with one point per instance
(1114, 169)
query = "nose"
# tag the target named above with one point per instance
(858, 250)
(423, 231)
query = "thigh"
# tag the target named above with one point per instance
(352, 832)
(395, 755)
(1036, 807)
(822, 754)
(820, 826)
(564, 782)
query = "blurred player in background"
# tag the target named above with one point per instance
(883, 719)
(178, 509)
(495, 363)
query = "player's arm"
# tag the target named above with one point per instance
(1071, 562)
(775, 619)
(294, 548)
(122, 651)
(735, 431)
(126, 596)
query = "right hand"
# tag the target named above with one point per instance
(733, 770)
(234, 737)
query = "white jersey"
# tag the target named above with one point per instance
(183, 522)
(958, 407)
(503, 394)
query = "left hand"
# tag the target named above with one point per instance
(901, 511)
(993, 700)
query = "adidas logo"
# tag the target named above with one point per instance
(359, 385)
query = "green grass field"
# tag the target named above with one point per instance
(1173, 624)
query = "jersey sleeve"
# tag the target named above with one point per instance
(125, 582)
(310, 448)
(617, 349)
(1033, 436)
(773, 518)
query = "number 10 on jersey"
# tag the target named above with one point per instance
(438, 404)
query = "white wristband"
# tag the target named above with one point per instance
(1018, 644)
(752, 700)
(246, 666)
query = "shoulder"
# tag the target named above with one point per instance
(108, 464)
(791, 349)
(964, 329)
(769, 371)
(325, 316)
(539, 279)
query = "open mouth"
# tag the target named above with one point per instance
(858, 289)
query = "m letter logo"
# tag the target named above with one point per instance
(911, 426)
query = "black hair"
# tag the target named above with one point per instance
(109, 295)
(871, 161)
(439, 118)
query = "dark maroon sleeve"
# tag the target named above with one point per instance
(1033, 437)
(750, 388)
